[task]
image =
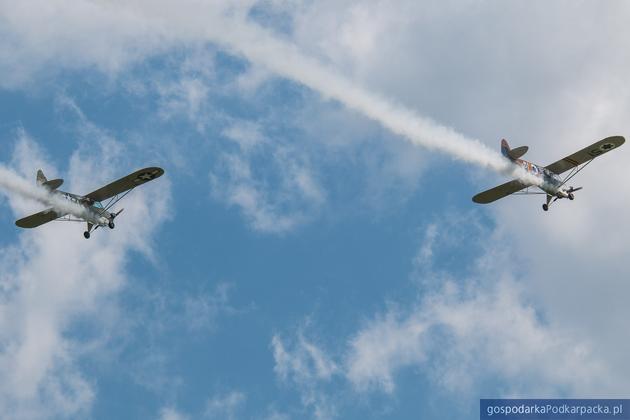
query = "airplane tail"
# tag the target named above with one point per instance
(51, 185)
(505, 148)
(41, 178)
(512, 154)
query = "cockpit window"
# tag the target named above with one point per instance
(554, 179)
(98, 205)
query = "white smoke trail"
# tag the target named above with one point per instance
(10, 181)
(282, 58)
(225, 23)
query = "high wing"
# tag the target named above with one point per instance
(126, 183)
(38, 219)
(586, 154)
(500, 191)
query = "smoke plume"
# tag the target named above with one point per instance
(285, 59)
(12, 182)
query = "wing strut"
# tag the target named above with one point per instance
(114, 200)
(574, 171)
(528, 192)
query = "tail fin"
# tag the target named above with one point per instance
(505, 149)
(510, 153)
(41, 178)
(51, 185)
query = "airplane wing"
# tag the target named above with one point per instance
(38, 219)
(500, 191)
(126, 183)
(586, 154)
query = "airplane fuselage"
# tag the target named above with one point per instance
(551, 182)
(95, 213)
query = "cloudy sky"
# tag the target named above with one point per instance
(313, 250)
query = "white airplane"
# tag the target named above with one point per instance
(551, 183)
(93, 212)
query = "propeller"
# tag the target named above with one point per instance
(114, 215)
(573, 189)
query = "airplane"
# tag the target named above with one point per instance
(96, 214)
(551, 184)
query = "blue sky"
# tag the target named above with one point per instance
(313, 250)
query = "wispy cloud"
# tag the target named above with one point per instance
(225, 406)
(47, 287)
(274, 198)
(301, 363)
(203, 310)
(12, 182)
(305, 362)
(461, 339)
(222, 406)
(170, 413)
(464, 330)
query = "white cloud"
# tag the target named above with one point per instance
(304, 365)
(276, 415)
(381, 349)
(425, 254)
(222, 406)
(201, 311)
(274, 198)
(84, 34)
(169, 413)
(186, 96)
(306, 362)
(184, 87)
(53, 277)
(226, 406)
(484, 325)
(461, 338)
(158, 315)
(246, 134)
(477, 328)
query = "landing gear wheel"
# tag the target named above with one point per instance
(111, 225)
(571, 196)
(545, 207)
(86, 234)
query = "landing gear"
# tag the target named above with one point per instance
(111, 225)
(86, 234)
(571, 196)
(546, 205)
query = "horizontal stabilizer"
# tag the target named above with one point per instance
(518, 152)
(512, 154)
(53, 184)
